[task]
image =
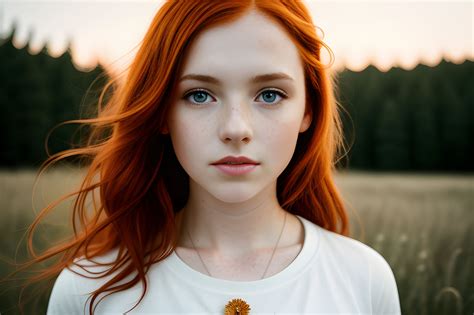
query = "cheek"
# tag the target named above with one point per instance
(181, 137)
(188, 139)
(280, 142)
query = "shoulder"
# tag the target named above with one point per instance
(65, 298)
(337, 247)
(363, 264)
(75, 283)
(351, 249)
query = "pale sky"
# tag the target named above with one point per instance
(385, 33)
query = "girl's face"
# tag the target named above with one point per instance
(241, 93)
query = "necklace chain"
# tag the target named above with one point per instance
(271, 258)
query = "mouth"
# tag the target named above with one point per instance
(235, 160)
(235, 165)
(236, 169)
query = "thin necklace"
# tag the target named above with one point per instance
(274, 249)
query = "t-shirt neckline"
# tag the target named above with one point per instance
(292, 271)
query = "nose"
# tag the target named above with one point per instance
(235, 125)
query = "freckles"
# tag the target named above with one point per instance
(191, 126)
(194, 131)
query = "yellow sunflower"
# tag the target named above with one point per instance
(237, 307)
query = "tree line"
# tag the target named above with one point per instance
(399, 120)
(410, 120)
(37, 92)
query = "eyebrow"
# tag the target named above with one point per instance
(256, 79)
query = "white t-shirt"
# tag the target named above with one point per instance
(332, 274)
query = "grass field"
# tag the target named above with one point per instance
(422, 225)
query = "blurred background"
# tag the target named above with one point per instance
(405, 74)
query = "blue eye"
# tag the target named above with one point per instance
(271, 95)
(203, 97)
(198, 96)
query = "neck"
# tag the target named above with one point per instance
(232, 228)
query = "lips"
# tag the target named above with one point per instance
(235, 160)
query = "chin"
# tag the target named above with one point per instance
(233, 194)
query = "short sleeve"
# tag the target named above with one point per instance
(64, 298)
(385, 298)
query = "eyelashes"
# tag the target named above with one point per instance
(196, 92)
(204, 95)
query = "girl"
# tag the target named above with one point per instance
(215, 190)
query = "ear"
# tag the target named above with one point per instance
(306, 122)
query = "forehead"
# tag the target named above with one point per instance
(250, 45)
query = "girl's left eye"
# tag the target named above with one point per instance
(271, 96)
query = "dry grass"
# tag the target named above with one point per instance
(422, 225)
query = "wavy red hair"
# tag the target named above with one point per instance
(142, 186)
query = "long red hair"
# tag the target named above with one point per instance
(141, 185)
